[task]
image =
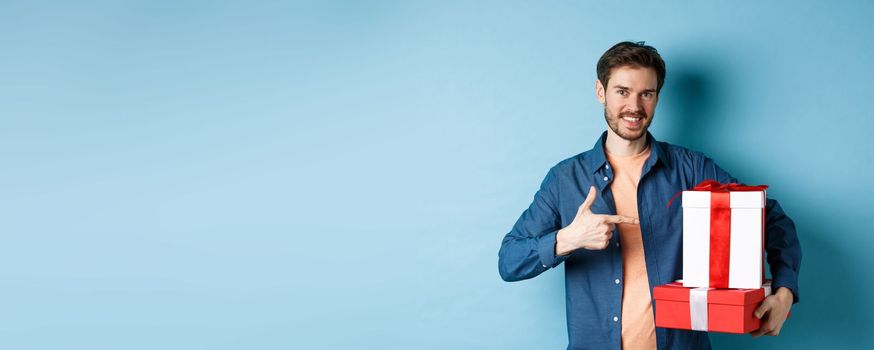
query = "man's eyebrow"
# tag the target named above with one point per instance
(620, 87)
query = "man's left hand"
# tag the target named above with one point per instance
(773, 312)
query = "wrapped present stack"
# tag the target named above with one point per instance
(723, 266)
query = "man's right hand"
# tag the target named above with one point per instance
(588, 230)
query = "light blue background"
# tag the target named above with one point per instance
(339, 174)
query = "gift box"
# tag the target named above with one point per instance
(708, 309)
(723, 235)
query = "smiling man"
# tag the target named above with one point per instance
(603, 214)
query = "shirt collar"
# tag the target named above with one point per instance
(597, 159)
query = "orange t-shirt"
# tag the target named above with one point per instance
(638, 326)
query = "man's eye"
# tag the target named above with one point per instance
(623, 92)
(647, 94)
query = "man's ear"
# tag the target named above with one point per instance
(599, 91)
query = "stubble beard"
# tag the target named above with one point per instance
(613, 123)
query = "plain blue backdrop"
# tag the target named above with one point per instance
(340, 174)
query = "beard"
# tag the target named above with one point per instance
(623, 132)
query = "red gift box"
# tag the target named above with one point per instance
(707, 309)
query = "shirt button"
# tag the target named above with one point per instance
(544, 265)
(617, 281)
(607, 166)
(615, 319)
(617, 244)
(606, 178)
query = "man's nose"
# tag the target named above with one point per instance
(634, 105)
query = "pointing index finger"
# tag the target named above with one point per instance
(619, 219)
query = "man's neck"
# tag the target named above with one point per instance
(622, 147)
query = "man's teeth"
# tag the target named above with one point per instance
(631, 119)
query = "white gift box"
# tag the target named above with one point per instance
(741, 254)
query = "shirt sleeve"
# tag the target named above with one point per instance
(529, 248)
(781, 240)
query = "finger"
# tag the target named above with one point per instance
(758, 333)
(765, 328)
(776, 330)
(590, 199)
(772, 330)
(619, 219)
(773, 324)
(762, 309)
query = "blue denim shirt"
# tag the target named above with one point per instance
(593, 299)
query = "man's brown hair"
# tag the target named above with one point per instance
(631, 54)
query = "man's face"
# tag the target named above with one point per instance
(629, 100)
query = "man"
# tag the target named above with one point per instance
(603, 213)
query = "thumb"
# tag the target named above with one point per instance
(590, 199)
(762, 309)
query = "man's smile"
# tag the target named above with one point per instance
(633, 121)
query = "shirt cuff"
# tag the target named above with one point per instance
(546, 249)
(786, 278)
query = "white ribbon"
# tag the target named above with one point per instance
(698, 305)
(698, 308)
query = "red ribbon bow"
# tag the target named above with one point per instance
(715, 186)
